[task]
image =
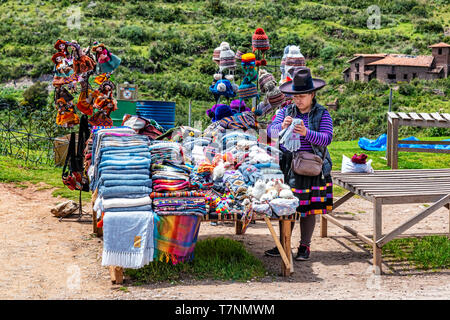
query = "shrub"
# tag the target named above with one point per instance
(134, 33)
(36, 96)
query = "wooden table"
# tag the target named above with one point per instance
(396, 119)
(391, 187)
(284, 246)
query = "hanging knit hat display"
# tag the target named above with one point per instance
(260, 41)
(222, 88)
(216, 55)
(238, 55)
(268, 85)
(227, 58)
(264, 78)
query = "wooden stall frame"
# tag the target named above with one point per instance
(379, 194)
(397, 119)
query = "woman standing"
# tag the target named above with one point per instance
(316, 132)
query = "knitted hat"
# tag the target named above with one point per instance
(276, 97)
(222, 111)
(227, 59)
(264, 78)
(238, 55)
(216, 55)
(247, 91)
(248, 58)
(260, 41)
(294, 58)
(56, 55)
(222, 88)
(212, 112)
(283, 61)
(238, 106)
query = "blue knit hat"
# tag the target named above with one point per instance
(222, 111)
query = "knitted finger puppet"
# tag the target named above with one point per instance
(260, 41)
(81, 62)
(66, 116)
(63, 73)
(248, 89)
(106, 61)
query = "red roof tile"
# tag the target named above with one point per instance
(404, 60)
(440, 45)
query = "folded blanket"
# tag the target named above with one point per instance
(122, 191)
(126, 163)
(128, 240)
(124, 202)
(121, 172)
(147, 207)
(112, 183)
(175, 237)
(125, 176)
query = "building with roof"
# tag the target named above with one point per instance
(392, 68)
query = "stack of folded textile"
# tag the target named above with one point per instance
(178, 209)
(120, 178)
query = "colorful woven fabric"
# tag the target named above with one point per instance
(177, 194)
(245, 121)
(175, 237)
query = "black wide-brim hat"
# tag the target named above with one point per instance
(302, 82)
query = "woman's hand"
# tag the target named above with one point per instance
(300, 129)
(286, 122)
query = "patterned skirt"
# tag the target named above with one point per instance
(314, 193)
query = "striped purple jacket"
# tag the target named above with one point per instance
(322, 137)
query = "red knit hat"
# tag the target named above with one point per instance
(260, 40)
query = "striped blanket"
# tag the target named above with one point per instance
(175, 237)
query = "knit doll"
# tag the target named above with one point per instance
(66, 116)
(87, 96)
(103, 116)
(63, 73)
(106, 61)
(81, 62)
(260, 42)
(105, 91)
(61, 46)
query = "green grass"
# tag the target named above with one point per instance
(427, 253)
(15, 171)
(217, 259)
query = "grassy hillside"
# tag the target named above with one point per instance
(166, 47)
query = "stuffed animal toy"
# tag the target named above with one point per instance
(258, 189)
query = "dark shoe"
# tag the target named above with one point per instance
(302, 253)
(272, 252)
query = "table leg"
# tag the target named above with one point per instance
(286, 243)
(389, 142)
(238, 227)
(377, 234)
(323, 227)
(394, 142)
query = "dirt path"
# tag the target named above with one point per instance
(42, 258)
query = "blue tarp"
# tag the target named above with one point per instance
(379, 144)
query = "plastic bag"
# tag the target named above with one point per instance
(289, 139)
(348, 166)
